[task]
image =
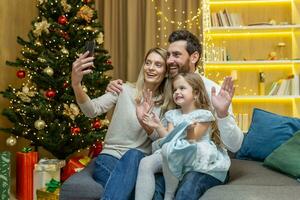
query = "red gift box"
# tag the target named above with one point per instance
(25, 166)
(72, 166)
(95, 149)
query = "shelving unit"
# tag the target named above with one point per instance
(246, 51)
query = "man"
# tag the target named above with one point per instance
(184, 53)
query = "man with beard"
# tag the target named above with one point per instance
(184, 53)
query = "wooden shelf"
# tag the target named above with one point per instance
(265, 99)
(248, 2)
(252, 65)
(260, 31)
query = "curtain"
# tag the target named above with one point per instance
(131, 27)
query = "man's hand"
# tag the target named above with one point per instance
(115, 86)
(222, 100)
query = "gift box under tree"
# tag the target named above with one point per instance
(4, 175)
(44, 171)
(25, 164)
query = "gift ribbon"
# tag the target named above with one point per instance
(26, 149)
(52, 185)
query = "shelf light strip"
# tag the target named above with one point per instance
(240, 34)
(215, 2)
(247, 67)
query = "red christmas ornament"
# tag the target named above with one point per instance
(50, 93)
(96, 124)
(75, 130)
(95, 149)
(62, 20)
(21, 73)
(66, 85)
(108, 62)
(64, 34)
(87, 1)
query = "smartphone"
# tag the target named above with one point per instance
(90, 46)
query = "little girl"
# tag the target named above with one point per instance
(191, 141)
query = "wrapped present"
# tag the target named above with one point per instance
(44, 171)
(95, 149)
(25, 164)
(74, 165)
(49, 193)
(4, 175)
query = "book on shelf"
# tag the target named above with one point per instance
(287, 86)
(224, 18)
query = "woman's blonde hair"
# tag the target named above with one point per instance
(202, 101)
(141, 79)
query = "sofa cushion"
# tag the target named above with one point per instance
(286, 158)
(251, 192)
(244, 172)
(267, 132)
(81, 186)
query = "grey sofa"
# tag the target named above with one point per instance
(249, 180)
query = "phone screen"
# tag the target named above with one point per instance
(89, 46)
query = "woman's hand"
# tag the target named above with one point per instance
(80, 67)
(152, 120)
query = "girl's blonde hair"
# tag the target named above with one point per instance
(202, 101)
(140, 81)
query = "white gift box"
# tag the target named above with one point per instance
(44, 171)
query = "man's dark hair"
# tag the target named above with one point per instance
(191, 41)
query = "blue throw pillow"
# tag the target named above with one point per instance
(267, 132)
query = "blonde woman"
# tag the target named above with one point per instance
(126, 141)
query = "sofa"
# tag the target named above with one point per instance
(249, 180)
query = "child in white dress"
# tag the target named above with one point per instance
(191, 141)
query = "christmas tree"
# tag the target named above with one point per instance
(44, 109)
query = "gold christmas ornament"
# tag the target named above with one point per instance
(25, 95)
(40, 27)
(42, 60)
(72, 111)
(64, 50)
(39, 124)
(99, 39)
(11, 141)
(49, 71)
(67, 7)
(84, 88)
(105, 122)
(85, 13)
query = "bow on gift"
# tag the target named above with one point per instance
(26, 149)
(52, 185)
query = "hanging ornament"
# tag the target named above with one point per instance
(40, 27)
(84, 88)
(85, 13)
(75, 130)
(72, 111)
(87, 1)
(64, 50)
(39, 124)
(25, 95)
(96, 124)
(65, 85)
(100, 39)
(95, 149)
(49, 71)
(21, 73)
(108, 62)
(105, 122)
(50, 93)
(11, 141)
(62, 20)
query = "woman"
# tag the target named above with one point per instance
(126, 142)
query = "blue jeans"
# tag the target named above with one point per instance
(192, 186)
(118, 177)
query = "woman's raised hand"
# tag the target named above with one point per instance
(151, 120)
(80, 67)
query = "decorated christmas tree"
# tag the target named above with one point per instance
(44, 109)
